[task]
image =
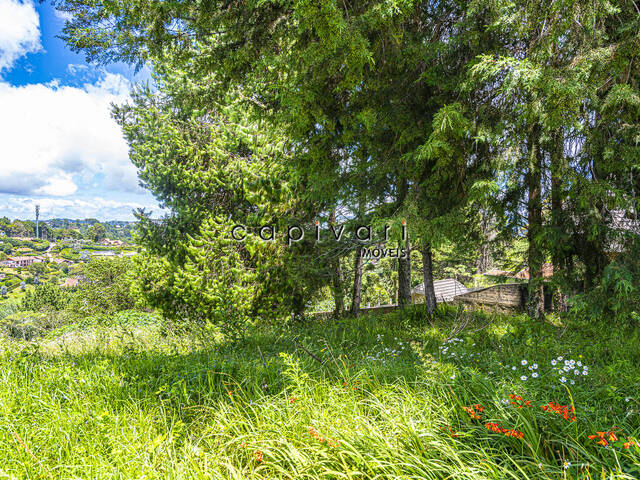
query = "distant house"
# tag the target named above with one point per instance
(547, 272)
(112, 243)
(21, 262)
(61, 260)
(445, 290)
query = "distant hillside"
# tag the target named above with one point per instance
(66, 227)
(116, 229)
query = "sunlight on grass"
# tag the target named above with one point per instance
(389, 400)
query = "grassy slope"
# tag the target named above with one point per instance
(122, 401)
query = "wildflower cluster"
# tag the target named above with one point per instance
(354, 387)
(518, 402)
(568, 370)
(451, 350)
(528, 370)
(566, 411)
(318, 436)
(451, 432)
(495, 428)
(474, 411)
(383, 351)
(258, 456)
(610, 438)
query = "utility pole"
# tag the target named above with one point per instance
(37, 221)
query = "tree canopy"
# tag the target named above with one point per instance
(461, 119)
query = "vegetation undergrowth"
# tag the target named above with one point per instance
(467, 396)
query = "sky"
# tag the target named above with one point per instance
(59, 146)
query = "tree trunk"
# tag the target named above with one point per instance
(336, 278)
(357, 283)
(534, 211)
(484, 260)
(297, 306)
(427, 274)
(404, 279)
(557, 197)
(336, 287)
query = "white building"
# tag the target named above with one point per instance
(21, 262)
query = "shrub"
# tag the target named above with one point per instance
(8, 308)
(28, 325)
(105, 287)
(45, 296)
(617, 295)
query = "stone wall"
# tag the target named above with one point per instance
(503, 298)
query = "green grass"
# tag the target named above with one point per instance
(375, 398)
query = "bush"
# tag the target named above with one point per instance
(617, 296)
(29, 325)
(8, 308)
(105, 287)
(45, 296)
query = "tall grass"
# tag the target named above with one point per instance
(367, 398)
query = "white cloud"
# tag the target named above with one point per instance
(64, 16)
(19, 31)
(55, 138)
(55, 207)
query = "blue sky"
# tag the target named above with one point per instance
(59, 147)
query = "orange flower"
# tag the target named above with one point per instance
(230, 393)
(631, 443)
(258, 455)
(316, 434)
(605, 437)
(472, 413)
(292, 399)
(495, 428)
(564, 410)
(518, 402)
(333, 443)
(514, 433)
(451, 433)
